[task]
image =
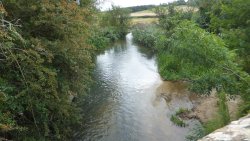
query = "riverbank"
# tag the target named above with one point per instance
(207, 108)
(122, 104)
(202, 108)
(198, 63)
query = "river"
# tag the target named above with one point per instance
(126, 102)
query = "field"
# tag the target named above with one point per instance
(136, 21)
(144, 13)
(149, 17)
(144, 17)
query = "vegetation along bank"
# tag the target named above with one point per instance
(47, 49)
(206, 45)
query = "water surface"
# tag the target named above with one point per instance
(126, 103)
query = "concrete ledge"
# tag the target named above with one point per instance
(238, 130)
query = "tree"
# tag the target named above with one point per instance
(231, 22)
(117, 18)
(43, 64)
(200, 57)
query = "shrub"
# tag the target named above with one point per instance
(146, 35)
(199, 57)
(177, 121)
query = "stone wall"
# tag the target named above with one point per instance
(238, 130)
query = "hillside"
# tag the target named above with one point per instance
(144, 13)
(148, 16)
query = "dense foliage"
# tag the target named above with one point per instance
(146, 35)
(232, 23)
(188, 52)
(200, 57)
(118, 19)
(43, 64)
(208, 48)
(111, 26)
(46, 56)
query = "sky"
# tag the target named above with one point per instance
(106, 4)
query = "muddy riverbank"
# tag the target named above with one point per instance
(203, 108)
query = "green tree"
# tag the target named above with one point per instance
(118, 19)
(44, 63)
(205, 8)
(170, 17)
(231, 21)
(200, 57)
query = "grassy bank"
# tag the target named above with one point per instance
(188, 49)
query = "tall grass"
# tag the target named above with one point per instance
(223, 117)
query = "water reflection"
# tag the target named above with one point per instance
(126, 103)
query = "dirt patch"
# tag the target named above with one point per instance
(176, 95)
(175, 90)
(203, 108)
(207, 107)
(233, 105)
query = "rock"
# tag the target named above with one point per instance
(236, 131)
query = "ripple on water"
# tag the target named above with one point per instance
(129, 101)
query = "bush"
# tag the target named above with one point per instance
(196, 133)
(177, 121)
(176, 118)
(200, 57)
(146, 35)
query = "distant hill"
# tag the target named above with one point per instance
(134, 9)
(144, 14)
(140, 8)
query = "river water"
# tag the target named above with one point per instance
(129, 101)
